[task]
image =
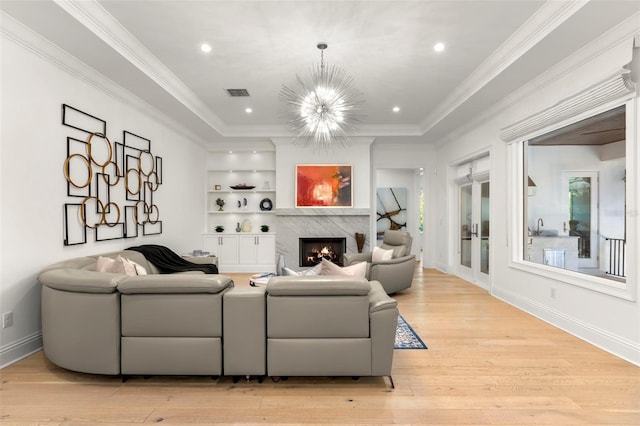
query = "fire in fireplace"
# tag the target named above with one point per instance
(313, 250)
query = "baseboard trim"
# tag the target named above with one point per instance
(615, 345)
(22, 348)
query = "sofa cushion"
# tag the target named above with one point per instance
(356, 270)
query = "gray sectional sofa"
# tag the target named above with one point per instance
(191, 323)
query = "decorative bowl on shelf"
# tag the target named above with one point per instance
(242, 186)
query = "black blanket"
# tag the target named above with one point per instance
(169, 262)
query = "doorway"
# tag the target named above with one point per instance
(474, 229)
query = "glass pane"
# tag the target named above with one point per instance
(580, 214)
(484, 227)
(465, 225)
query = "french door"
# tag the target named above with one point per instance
(474, 231)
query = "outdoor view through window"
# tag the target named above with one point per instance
(576, 191)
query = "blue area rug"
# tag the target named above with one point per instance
(406, 338)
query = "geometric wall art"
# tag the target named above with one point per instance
(114, 182)
(391, 209)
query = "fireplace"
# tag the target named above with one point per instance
(313, 250)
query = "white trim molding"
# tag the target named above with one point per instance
(617, 345)
(22, 348)
(617, 87)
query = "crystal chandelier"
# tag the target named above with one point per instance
(324, 109)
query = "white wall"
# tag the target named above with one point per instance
(288, 155)
(607, 321)
(33, 186)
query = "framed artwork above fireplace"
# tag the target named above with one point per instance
(324, 185)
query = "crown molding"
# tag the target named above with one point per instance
(617, 42)
(100, 22)
(26, 38)
(546, 19)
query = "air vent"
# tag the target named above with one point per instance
(236, 93)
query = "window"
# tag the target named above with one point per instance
(575, 208)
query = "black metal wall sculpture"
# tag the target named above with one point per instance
(116, 181)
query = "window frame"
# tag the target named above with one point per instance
(517, 137)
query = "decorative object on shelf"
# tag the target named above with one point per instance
(244, 203)
(266, 185)
(242, 186)
(360, 241)
(324, 109)
(220, 204)
(266, 204)
(264, 228)
(323, 185)
(219, 228)
(116, 182)
(239, 204)
(246, 225)
(217, 187)
(238, 228)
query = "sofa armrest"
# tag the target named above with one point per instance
(80, 280)
(352, 258)
(378, 298)
(174, 284)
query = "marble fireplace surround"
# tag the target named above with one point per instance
(293, 224)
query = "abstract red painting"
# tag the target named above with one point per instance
(326, 185)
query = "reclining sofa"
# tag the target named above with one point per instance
(191, 323)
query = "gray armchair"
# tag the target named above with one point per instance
(395, 274)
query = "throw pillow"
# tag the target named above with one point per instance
(311, 271)
(356, 270)
(380, 254)
(137, 268)
(107, 264)
(119, 265)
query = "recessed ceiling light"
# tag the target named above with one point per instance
(206, 48)
(396, 109)
(248, 110)
(438, 47)
(230, 152)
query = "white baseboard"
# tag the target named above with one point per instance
(616, 345)
(22, 348)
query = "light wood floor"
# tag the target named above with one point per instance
(487, 363)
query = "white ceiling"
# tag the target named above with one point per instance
(152, 49)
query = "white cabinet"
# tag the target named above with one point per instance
(257, 249)
(225, 247)
(242, 252)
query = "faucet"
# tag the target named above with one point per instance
(540, 223)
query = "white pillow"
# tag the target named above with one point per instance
(379, 254)
(119, 265)
(137, 268)
(311, 271)
(356, 270)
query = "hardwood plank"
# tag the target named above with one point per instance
(487, 364)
